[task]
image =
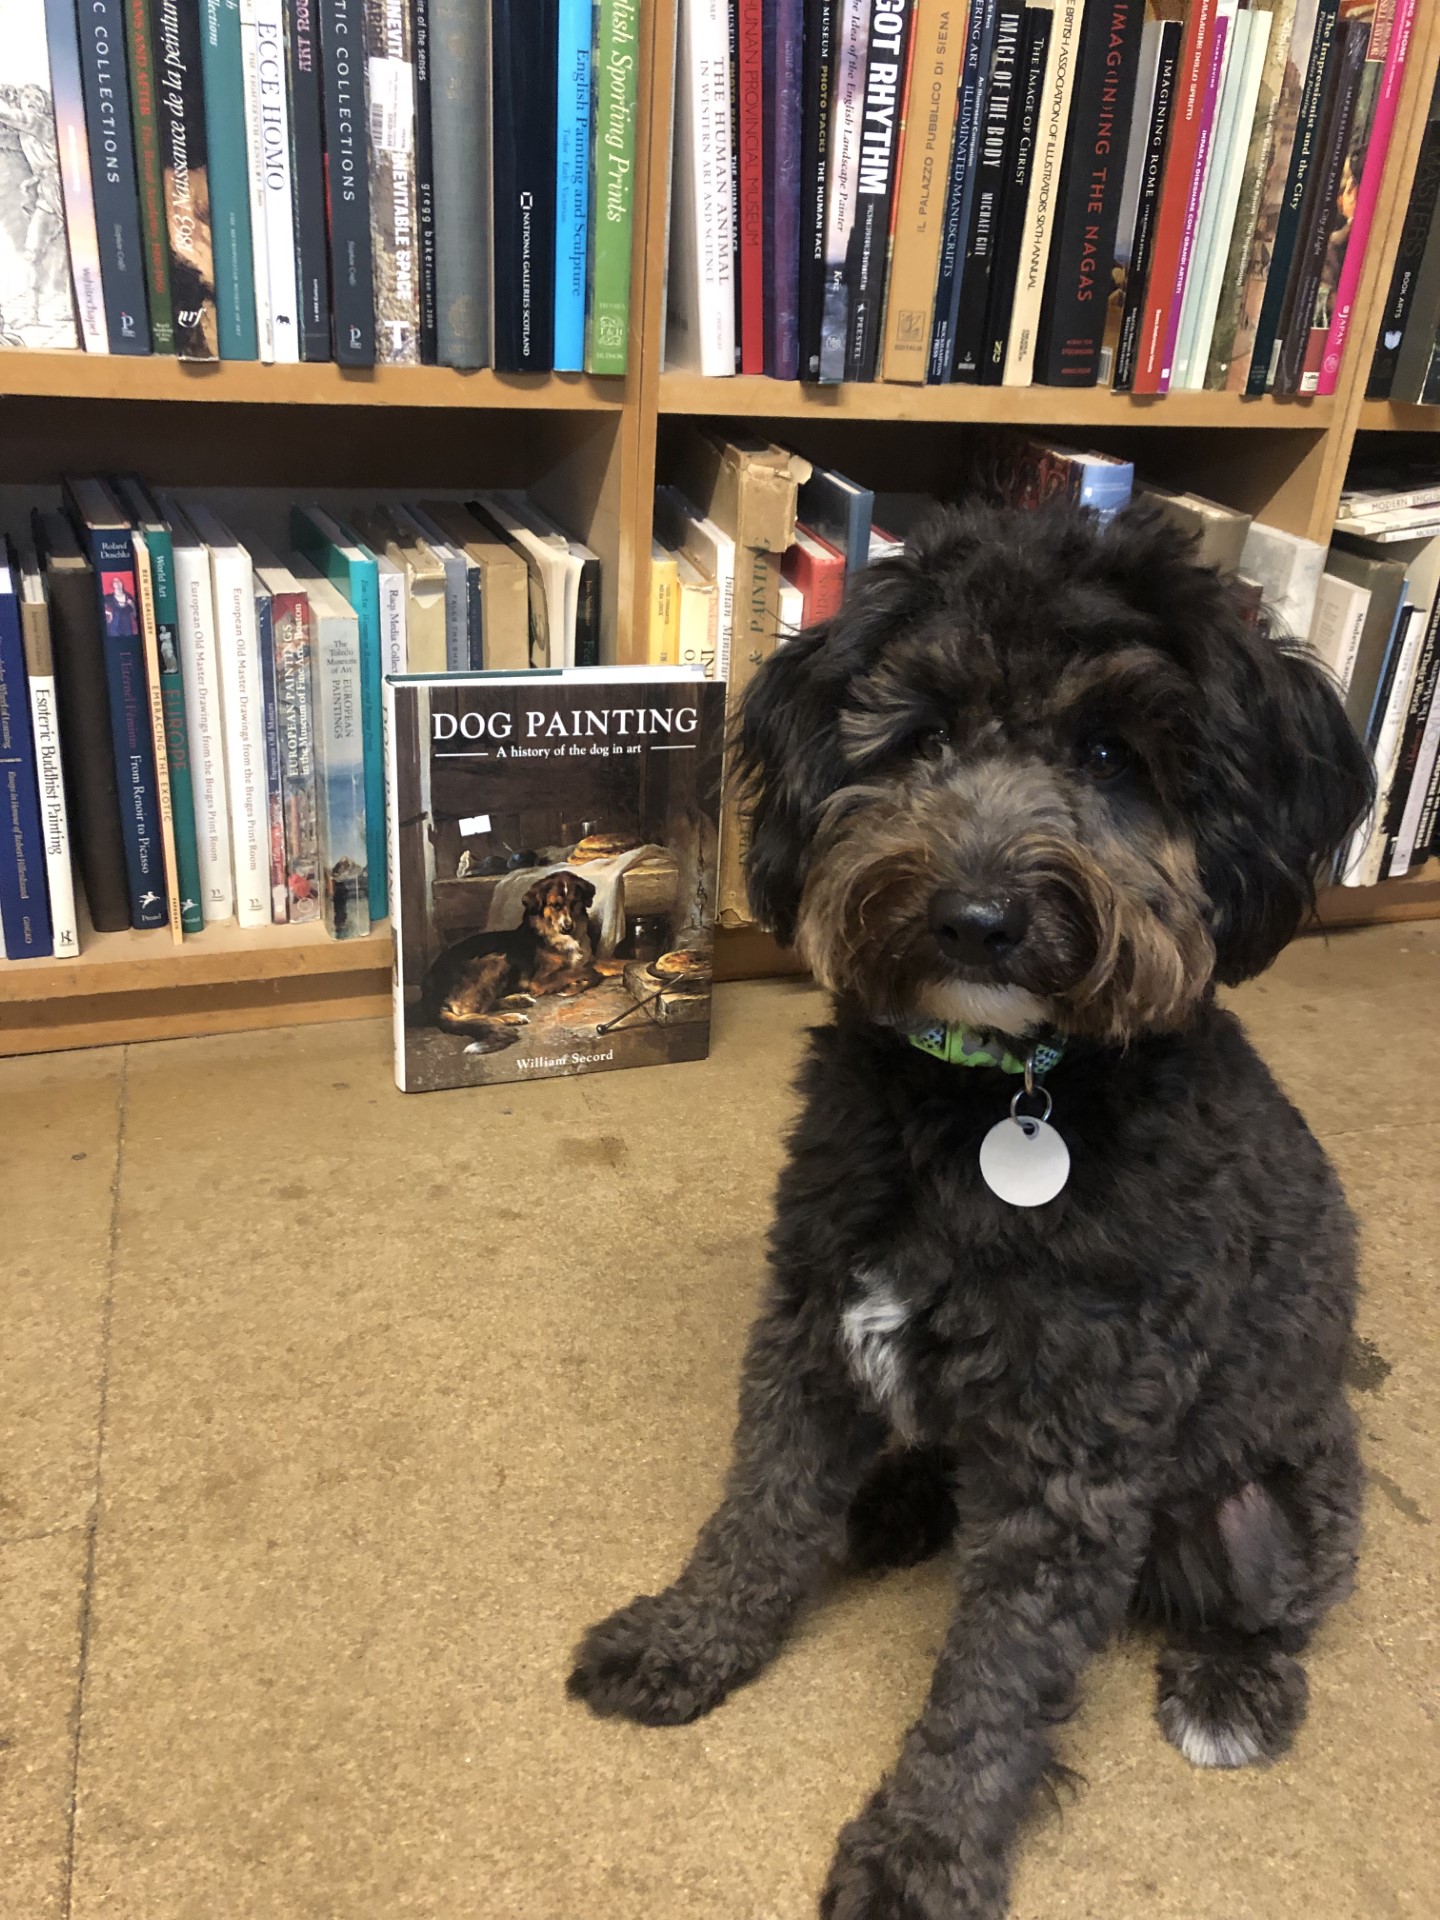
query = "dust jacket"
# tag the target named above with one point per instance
(553, 855)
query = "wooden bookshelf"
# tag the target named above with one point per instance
(593, 450)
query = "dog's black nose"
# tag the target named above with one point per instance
(978, 929)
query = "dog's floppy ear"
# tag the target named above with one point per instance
(534, 899)
(583, 889)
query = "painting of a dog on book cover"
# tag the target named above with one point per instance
(553, 841)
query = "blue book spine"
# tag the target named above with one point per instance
(1105, 487)
(960, 189)
(113, 175)
(24, 901)
(362, 590)
(113, 558)
(572, 182)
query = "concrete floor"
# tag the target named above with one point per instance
(319, 1444)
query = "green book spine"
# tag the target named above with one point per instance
(177, 739)
(140, 51)
(612, 184)
(223, 70)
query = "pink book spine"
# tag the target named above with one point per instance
(1385, 110)
(1197, 194)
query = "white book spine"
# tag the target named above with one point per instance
(255, 150)
(724, 606)
(390, 580)
(1367, 849)
(199, 666)
(1352, 632)
(703, 204)
(1232, 61)
(792, 612)
(1414, 800)
(1247, 102)
(244, 707)
(1048, 159)
(273, 115)
(54, 818)
(339, 764)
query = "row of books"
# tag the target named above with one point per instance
(197, 711)
(392, 181)
(1154, 194)
(1406, 365)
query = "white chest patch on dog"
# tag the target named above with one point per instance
(870, 1328)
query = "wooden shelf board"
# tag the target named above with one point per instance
(1415, 897)
(1396, 416)
(89, 376)
(754, 396)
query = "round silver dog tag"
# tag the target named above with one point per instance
(1024, 1161)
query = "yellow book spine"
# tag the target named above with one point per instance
(664, 641)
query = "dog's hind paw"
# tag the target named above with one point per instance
(1230, 1708)
(657, 1661)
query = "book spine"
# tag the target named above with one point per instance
(175, 727)
(820, 23)
(425, 260)
(204, 730)
(1407, 849)
(67, 88)
(1010, 228)
(612, 186)
(1202, 179)
(524, 36)
(1308, 131)
(977, 62)
(362, 588)
(1055, 108)
(244, 708)
(185, 180)
(1425, 832)
(587, 615)
(1395, 52)
(114, 562)
(460, 130)
(885, 81)
(840, 209)
(342, 828)
(990, 166)
(1407, 752)
(1072, 322)
(784, 36)
(112, 175)
(145, 590)
(750, 202)
(24, 903)
(255, 179)
(273, 119)
(390, 86)
(572, 180)
(1302, 308)
(140, 50)
(937, 48)
(307, 179)
(663, 633)
(274, 791)
(228, 177)
(54, 815)
(395, 812)
(1147, 212)
(1419, 213)
(347, 181)
(291, 617)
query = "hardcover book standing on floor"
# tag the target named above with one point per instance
(553, 845)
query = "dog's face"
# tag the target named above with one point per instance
(1042, 774)
(559, 905)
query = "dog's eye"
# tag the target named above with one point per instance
(1104, 757)
(933, 740)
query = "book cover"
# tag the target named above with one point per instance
(880, 128)
(821, 20)
(385, 532)
(106, 534)
(462, 633)
(783, 78)
(347, 180)
(1359, 188)
(1015, 196)
(524, 41)
(307, 178)
(460, 131)
(342, 834)
(750, 199)
(1288, 569)
(1407, 847)
(204, 725)
(976, 74)
(612, 186)
(112, 174)
(1147, 206)
(1072, 321)
(24, 898)
(1410, 742)
(1419, 217)
(185, 184)
(49, 768)
(699, 616)
(85, 740)
(841, 204)
(390, 92)
(426, 262)
(981, 240)
(73, 152)
(554, 849)
(938, 45)
(572, 180)
(686, 530)
(228, 179)
(700, 295)
(145, 602)
(34, 261)
(140, 51)
(1056, 103)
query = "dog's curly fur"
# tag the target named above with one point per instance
(1127, 1399)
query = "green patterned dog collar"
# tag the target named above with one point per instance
(961, 1047)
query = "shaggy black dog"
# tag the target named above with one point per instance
(1037, 789)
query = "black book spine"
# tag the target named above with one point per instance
(814, 172)
(307, 174)
(1425, 832)
(425, 184)
(1010, 228)
(1142, 245)
(347, 180)
(587, 615)
(1421, 698)
(526, 49)
(1072, 319)
(1419, 214)
(989, 186)
(959, 189)
(112, 175)
(1320, 209)
(185, 179)
(886, 72)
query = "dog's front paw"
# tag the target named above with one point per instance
(891, 1867)
(658, 1661)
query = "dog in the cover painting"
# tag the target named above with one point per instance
(1033, 793)
(482, 985)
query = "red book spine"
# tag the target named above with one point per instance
(750, 145)
(1175, 194)
(818, 570)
